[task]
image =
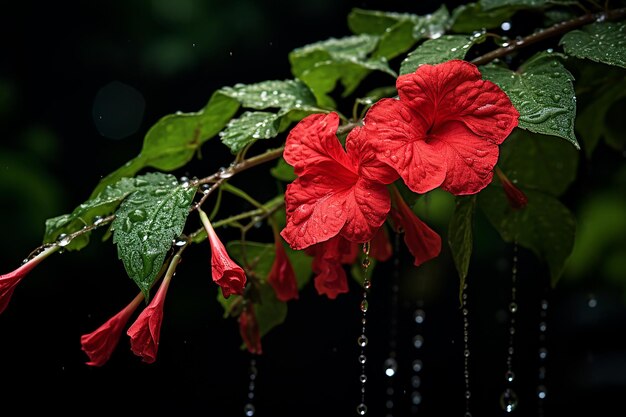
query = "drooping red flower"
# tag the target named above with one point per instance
(516, 197)
(9, 281)
(249, 330)
(100, 344)
(443, 130)
(146, 330)
(328, 260)
(282, 277)
(337, 192)
(423, 242)
(225, 272)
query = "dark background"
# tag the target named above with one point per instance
(79, 87)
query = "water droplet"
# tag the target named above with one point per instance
(367, 284)
(366, 262)
(542, 392)
(63, 240)
(205, 188)
(505, 26)
(508, 400)
(362, 359)
(418, 341)
(416, 398)
(543, 326)
(509, 376)
(361, 409)
(416, 381)
(419, 316)
(543, 353)
(137, 215)
(394, 158)
(417, 365)
(362, 340)
(391, 366)
(363, 378)
(224, 173)
(513, 307)
(592, 302)
(180, 242)
(249, 409)
(97, 220)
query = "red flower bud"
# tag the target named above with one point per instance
(9, 281)
(146, 330)
(517, 198)
(100, 344)
(225, 272)
(249, 330)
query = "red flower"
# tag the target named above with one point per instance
(444, 130)
(146, 330)
(9, 281)
(328, 259)
(423, 243)
(249, 330)
(225, 272)
(282, 276)
(337, 192)
(100, 344)
(517, 198)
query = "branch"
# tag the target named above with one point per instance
(554, 30)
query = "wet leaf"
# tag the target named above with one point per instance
(347, 60)
(440, 50)
(539, 162)
(471, 17)
(520, 4)
(543, 93)
(147, 222)
(603, 42)
(545, 226)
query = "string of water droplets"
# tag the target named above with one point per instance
(362, 341)
(508, 399)
(391, 364)
(543, 354)
(419, 315)
(249, 410)
(466, 350)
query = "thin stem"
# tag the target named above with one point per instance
(554, 30)
(241, 194)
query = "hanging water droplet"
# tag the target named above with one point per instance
(362, 340)
(366, 262)
(180, 242)
(418, 341)
(416, 398)
(542, 392)
(361, 409)
(419, 316)
(205, 188)
(63, 240)
(592, 302)
(543, 353)
(391, 366)
(509, 376)
(508, 400)
(543, 326)
(417, 365)
(249, 410)
(513, 307)
(416, 381)
(363, 378)
(364, 306)
(362, 359)
(97, 220)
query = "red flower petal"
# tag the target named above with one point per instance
(423, 242)
(330, 279)
(146, 330)
(282, 277)
(516, 197)
(249, 330)
(336, 192)
(444, 128)
(100, 344)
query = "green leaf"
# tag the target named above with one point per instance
(436, 51)
(603, 42)
(471, 17)
(539, 162)
(286, 94)
(545, 226)
(592, 122)
(398, 31)
(173, 140)
(460, 236)
(270, 311)
(247, 128)
(253, 255)
(519, 4)
(146, 223)
(322, 64)
(283, 171)
(543, 93)
(87, 213)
